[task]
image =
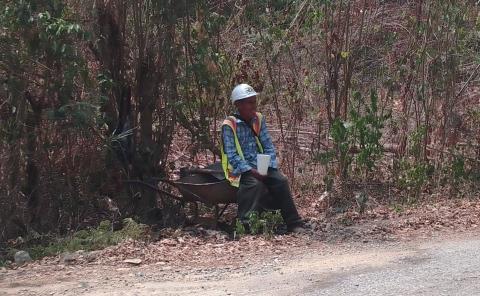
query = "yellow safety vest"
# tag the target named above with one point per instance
(231, 121)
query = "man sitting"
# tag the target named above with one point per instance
(244, 135)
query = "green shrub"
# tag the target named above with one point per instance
(265, 223)
(88, 239)
(361, 132)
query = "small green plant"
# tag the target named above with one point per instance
(239, 229)
(272, 220)
(457, 169)
(88, 239)
(460, 172)
(414, 171)
(255, 223)
(265, 223)
(415, 142)
(362, 132)
(413, 177)
(342, 135)
(368, 132)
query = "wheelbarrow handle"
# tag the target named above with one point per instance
(172, 183)
(155, 188)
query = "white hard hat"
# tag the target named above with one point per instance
(242, 91)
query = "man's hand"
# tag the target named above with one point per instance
(257, 175)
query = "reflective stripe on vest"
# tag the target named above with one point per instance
(231, 121)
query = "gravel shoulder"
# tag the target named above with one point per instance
(437, 264)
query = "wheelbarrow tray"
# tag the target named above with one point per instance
(206, 188)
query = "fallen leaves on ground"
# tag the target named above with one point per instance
(196, 246)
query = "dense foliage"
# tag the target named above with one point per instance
(96, 92)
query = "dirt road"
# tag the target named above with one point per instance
(445, 265)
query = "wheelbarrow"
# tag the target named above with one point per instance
(205, 185)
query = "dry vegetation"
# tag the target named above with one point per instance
(369, 102)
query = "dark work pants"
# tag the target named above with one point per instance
(271, 194)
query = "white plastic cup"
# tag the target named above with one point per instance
(263, 162)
